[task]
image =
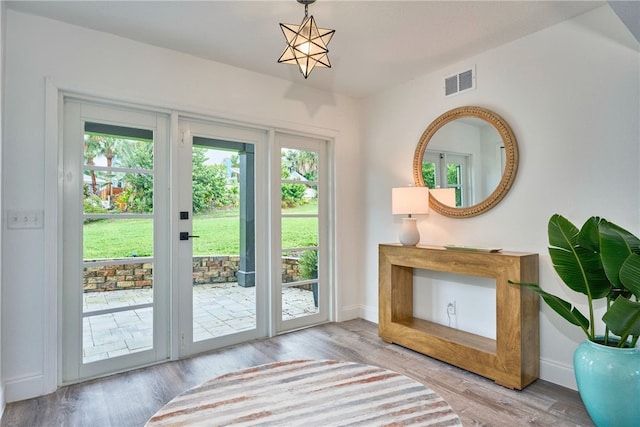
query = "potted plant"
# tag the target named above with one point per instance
(308, 266)
(602, 261)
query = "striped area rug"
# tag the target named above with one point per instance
(308, 393)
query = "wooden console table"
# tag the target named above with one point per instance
(512, 359)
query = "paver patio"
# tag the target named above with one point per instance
(219, 309)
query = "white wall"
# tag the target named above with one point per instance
(100, 64)
(571, 95)
(3, 26)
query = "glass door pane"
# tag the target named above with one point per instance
(224, 292)
(303, 298)
(114, 313)
(117, 241)
(429, 174)
(454, 180)
(442, 170)
(220, 282)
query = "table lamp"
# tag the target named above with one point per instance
(408, 201)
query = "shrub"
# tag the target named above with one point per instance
(292, 195)
(92, 205)
(308, 264)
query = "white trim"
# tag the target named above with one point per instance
(550, 370)
(55, 93)
(262, 264)
(557, 373)
(52, 245)
(215, 129)
(189, 112)
(118, 169)
(119, 216)
(3, 400)
(73, 111)
(175, 141)
(326, 297)
(24, 388)
(351, 312)
(273, 299)
(3, 38)
(275, 237)
(369, 313)
(119, 261)
(332, 239)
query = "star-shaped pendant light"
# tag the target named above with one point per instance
(306, 43)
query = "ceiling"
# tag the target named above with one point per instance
(377, 44)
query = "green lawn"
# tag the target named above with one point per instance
(219, 234)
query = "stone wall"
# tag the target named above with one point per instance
(206, 270)
(115, 277)
(215, 269)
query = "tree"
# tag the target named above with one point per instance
(91, 150)
(137, 195)
(210, 186)
(453, 180)
(96, 145)
(291, 194)
(429, 174)
(302, 161)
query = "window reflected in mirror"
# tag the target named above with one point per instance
(468, 158)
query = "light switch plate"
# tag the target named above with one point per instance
(24, 219)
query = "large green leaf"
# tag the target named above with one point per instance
(623, 317)
(616, 245)
(561, 231)
(579, 268)
(630, 274)
(560, 306)
(599, 260)
(589, 235)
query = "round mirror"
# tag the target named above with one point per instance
(468, 157)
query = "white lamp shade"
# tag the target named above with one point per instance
(446, 196)
(409, 200)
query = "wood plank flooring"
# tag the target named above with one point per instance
(130, 399)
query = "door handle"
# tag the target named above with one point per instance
(184, 235)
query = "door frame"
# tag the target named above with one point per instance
(77, 112)
(187, 127)
(54, 94)
(286, 139)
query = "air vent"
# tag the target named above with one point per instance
(460, 82)
(451, 85)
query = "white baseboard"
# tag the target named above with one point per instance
(550, 370)
(348, 313)
(23, 388)
(3, 402)
(370, 313)
(557, 373)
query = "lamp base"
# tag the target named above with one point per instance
(409, 234)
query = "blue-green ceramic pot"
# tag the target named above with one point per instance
(609, 383)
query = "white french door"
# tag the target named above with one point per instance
(181, 235)
(222, 274)
(116, 252)
(300, 234)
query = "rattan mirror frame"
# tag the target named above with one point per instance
(511, 160)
